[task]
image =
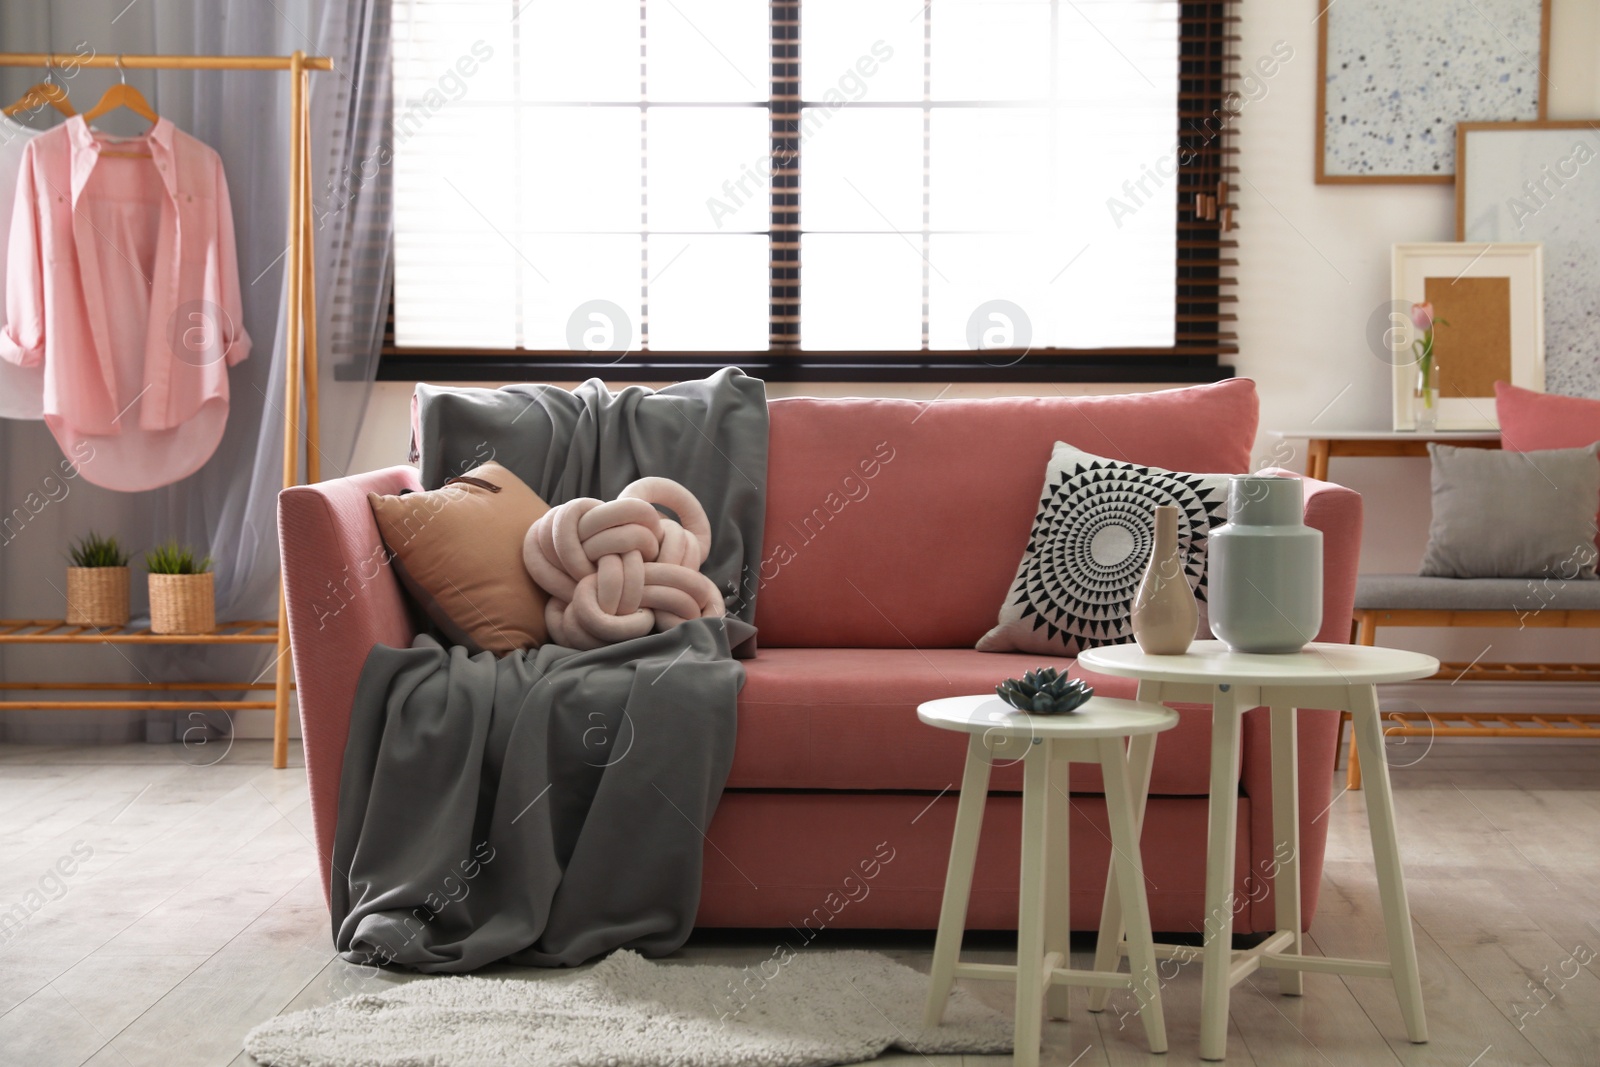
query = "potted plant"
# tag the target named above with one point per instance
(97, 582)
(182, 597)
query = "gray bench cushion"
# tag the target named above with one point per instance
(1409, 592)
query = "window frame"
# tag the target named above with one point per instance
(1208, 110)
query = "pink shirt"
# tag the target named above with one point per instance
(123, 282)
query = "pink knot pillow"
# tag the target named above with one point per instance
(620, 569)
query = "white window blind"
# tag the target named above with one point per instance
(595, 174)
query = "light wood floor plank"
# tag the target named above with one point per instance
(200, 915)
(1462, 1023)
(203, 1019)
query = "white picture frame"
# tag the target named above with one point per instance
(1535, 181)
(1413, 265)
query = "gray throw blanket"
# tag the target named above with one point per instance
(547, 807)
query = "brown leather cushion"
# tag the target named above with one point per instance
(458, 550)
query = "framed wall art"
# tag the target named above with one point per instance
(1488, 311)
(1540, 181)
(1393, 80)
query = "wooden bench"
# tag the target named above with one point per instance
(1507, 603)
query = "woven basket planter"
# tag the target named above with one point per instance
(97, 596)
(182, 604)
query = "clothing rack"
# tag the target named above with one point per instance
(300, 364)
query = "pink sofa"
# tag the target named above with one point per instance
(893, 531)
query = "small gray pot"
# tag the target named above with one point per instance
(1265, 583)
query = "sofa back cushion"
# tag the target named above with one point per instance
(896, 523)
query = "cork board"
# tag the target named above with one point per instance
(1474, 350)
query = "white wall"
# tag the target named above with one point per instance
(1313, 264)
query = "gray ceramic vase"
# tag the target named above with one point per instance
(1265, 580)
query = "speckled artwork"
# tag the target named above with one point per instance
(1400, 76)
(1544, 185)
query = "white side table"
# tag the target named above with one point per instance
(1338, 677)
(1047, 744)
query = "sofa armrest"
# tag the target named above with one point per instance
(342, 599)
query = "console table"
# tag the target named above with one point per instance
(1322, 445)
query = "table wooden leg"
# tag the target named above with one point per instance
(1317, 452)
(1030, 907)
(1221, 842)
(1108, 944)
(1286, 838)
(1368, 730)
(1352, 774)
(1058, 874)
(1366, 634)
(1125, 858)
(958, 877)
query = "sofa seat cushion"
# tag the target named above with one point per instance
(846, 718)
(1409, 592)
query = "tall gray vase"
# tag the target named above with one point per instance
(1265, 583)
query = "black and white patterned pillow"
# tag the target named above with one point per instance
(1089, 548)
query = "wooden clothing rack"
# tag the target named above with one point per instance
(300, 386)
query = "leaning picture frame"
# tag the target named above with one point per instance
(1394, 80)
(1540, 181)
(1488, 307)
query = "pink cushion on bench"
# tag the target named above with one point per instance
(1533, 422)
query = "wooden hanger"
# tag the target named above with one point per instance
(46, 92)
(122, 95)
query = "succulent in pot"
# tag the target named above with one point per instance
(1044, 692)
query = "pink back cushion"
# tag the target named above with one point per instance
(896, 523)
(1533, 422)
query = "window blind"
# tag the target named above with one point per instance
(821, 177)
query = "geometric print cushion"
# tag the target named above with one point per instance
(1090, 545)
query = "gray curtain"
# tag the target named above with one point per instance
(228, 508)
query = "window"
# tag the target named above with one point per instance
(871, 186)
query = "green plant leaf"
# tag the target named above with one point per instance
(173, 558)
(93, 550)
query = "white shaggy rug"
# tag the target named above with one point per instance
(798, 1009)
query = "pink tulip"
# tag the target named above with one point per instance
(1422, 316)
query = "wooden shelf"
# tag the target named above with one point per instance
(1477, 671)
(1489, 724)
(57, 632)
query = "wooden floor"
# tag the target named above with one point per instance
(193, 913)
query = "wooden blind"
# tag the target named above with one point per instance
(1208, 115)
(1207, 215)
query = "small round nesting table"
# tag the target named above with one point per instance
(1046, 745)
(1336, 677)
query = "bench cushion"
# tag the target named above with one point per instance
(1409, 592)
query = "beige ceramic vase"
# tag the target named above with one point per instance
(1164, 612)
